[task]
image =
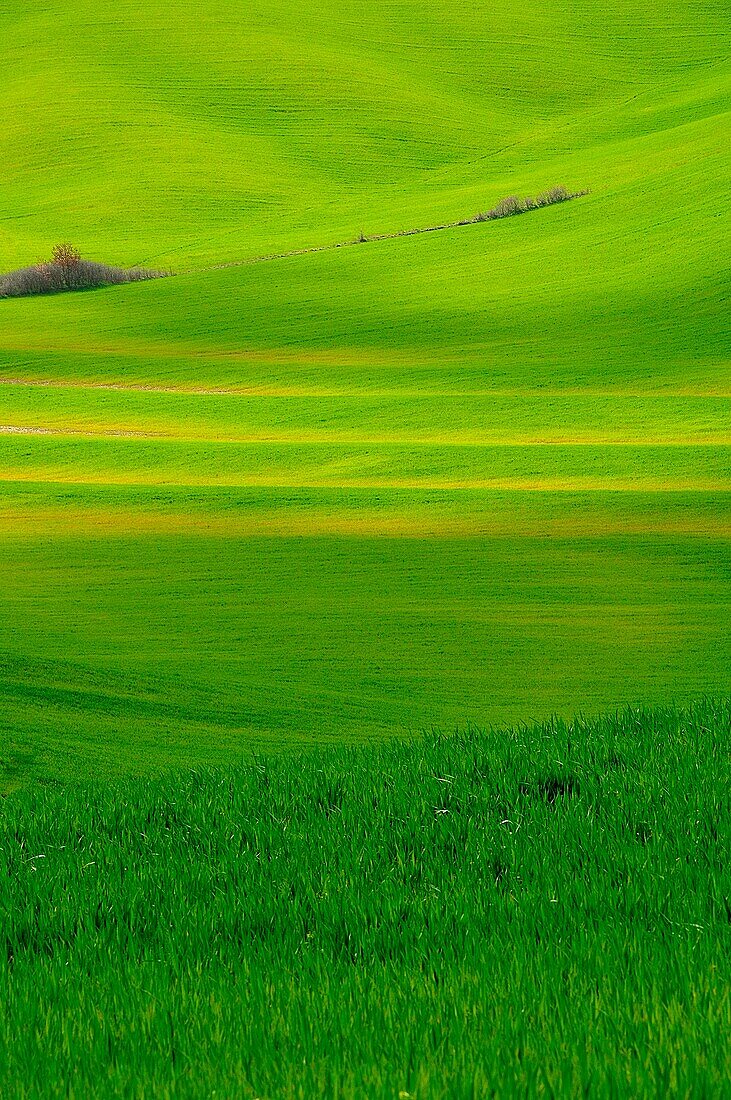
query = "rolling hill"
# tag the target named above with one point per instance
(466, 477)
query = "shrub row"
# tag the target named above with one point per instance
(67, 271)
(512, 205)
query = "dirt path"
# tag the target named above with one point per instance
(363, 239)
(328, 247)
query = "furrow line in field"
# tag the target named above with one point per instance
(362, 394)
(344, 440)
(123, 522)
(374, 237)
(637, 484)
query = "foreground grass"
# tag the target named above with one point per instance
(542, 911)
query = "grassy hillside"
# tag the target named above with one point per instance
(131, 654)
(472, 476)
(167, 130)
(542, 912)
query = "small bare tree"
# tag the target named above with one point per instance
(65, 255)
(67, 260)
(67, 271)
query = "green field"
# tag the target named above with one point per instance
(189, 134)
(474, 476)
(541, 912)
(306, 562)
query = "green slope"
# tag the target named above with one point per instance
(468, 476)
(178, 131)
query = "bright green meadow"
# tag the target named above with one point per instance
(542, 912)
(474, 476)
(279, 536)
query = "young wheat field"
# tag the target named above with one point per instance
(311, 552)
(478, 475)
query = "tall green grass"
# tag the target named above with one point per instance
(539, 911)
